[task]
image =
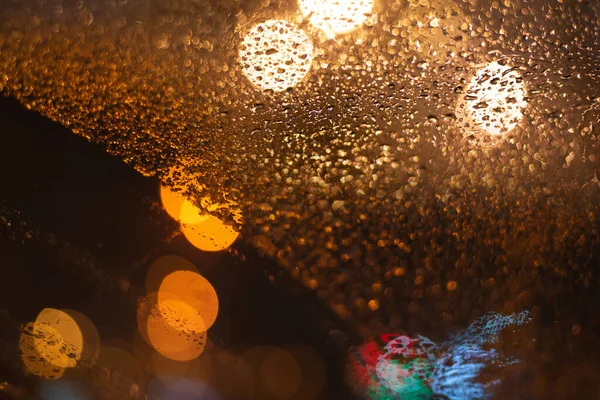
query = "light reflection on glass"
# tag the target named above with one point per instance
(392, 366)
(397, 366)
(458, 370)
(406, 365)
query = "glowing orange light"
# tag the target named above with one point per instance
(210, 234)
(175, 203)
(176, 330)
(171, 201)
(193, 290)
(171, 326)
(204, 231)
(178, 207)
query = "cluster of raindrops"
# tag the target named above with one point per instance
(359, 181)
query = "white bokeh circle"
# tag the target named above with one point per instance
(276, 55)
(494, 100)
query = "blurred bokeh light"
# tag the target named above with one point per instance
(398, 366)
(172, 197)
(494, 100)
(172, 327)
(50, 344)
(40, 347)
(357, 179)
(180, 306)
(349, 175)
(65, 328)
(392, 366)
(194, 290)
(174, 202)
(337, 17)
(209, 233)
(276, 55)
(203, 230)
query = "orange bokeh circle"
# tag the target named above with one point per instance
(194, 290)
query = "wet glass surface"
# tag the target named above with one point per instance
(356, 177)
